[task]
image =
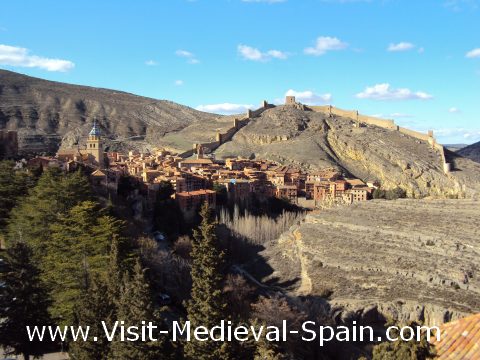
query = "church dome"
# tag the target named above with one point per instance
(95, 130)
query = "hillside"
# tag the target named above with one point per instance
(472, 152)
(404, 259)
(48, 114)
(313, 140)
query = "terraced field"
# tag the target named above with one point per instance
(406, 259)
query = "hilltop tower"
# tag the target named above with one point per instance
(290, 100)
(95, 145)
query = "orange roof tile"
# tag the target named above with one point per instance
(459, 340)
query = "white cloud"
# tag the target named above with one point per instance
(17, 56)
(265, 1)
(307, 97)
(395, 115)
(402, 46)
(251, 53)
(475, 53)
(225, 108)
(454, 110)
(459, 5)
(184, 53)
(470, 135)
(191, 58)
(324, 44)
(346, 1)
(386, 92)
(178, 82)
(151, 63)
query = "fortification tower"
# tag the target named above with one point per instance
(95, 145)
(290, 100)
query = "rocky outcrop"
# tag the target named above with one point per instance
(404, 259)
(314, 140)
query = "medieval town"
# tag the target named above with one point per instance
(193, 178)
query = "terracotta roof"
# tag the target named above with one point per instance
(98, 173)
(355, 182)
(459, 339)
(196, 192)
(197, 161)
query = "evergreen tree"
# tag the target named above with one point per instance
(80, 246)
(23, 302)
(207, 306)
(100, 303)
(93, 308)
(13, 185)
(400, 350)
(53, 195)
(113, 278)
(267, 350)
(134, 306)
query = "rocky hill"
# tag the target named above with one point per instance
(49, 114)
(472, 152)
(404, 259)
(315, 140)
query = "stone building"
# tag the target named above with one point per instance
(290, 100)
(190, 202)
(95, 146)
(93, 154)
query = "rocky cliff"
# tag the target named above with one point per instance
(314, 140)
(49, 114)
(404, 259)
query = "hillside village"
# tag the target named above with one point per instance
(193, 174)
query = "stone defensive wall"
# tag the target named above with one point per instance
(354, 114)
(223, 137)
(386, 124)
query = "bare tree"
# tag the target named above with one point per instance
(258, 229)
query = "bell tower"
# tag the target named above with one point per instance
(95, 146)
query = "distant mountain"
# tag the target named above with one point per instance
(48, 114)
(455, 147)
(472, 152)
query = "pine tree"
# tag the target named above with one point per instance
(207, 306)
(93, 308)
(100, 303)
(13, 185)
(134, 306)
(79, 247)
(400, 350)
(23, 302)
(53, 195)
(268, 351)
(114, 279)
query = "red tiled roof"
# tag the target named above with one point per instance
(459, 340)
(196, 192)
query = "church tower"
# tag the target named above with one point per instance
(95, 146)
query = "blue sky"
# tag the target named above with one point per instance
(415, 61)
